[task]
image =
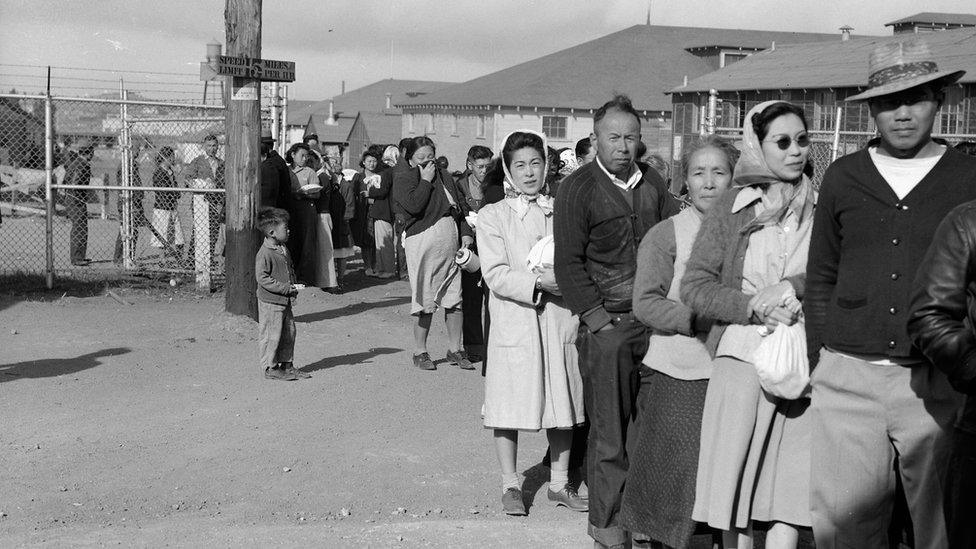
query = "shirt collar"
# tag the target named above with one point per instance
(632, 181)
(746, 197)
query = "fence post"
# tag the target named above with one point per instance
(836, 148)
(128, 242)
(712, 110)
(48, 191)
(201, 241)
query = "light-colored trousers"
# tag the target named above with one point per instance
(276, 333)
(385, 251)
(864, 415)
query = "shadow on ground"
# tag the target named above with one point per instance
(51, 367)
(349, 359)
(351, 309)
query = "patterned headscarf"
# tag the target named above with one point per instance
(512, 191)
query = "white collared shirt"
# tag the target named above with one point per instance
(635, 177)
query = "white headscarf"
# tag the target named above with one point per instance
(544, 201)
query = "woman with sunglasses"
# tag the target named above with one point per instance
(746, 271)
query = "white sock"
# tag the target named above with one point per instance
(510, 480)
(558, 478)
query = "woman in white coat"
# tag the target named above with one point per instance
(533, 382)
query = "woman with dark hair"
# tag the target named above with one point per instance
(747, 274)
(660, 490)
(435, 212)
(534, 380)
(362, 224)
(313, 262)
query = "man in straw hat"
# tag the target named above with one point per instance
(875, 396)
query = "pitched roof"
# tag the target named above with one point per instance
(936, 18)
(330, 133)
(381, 127)
(831, 64)
(643, 61)
(370, 98)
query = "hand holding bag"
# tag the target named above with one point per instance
(781, 362)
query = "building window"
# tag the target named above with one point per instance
(952, 111)
(481, 126)
(727, 58)
(454, 125)
(410, 123)
(554, 127)
(430, 124)
(824, 110)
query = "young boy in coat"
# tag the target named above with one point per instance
(276, 291)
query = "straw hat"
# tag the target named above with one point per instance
(898, 66)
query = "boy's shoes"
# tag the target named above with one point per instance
(423, 362)
(567, 497)
(279, 374)
(460, 357)
(512, 503)
(289, 368)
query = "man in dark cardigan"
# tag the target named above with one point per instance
(604, 209)
(875, 397)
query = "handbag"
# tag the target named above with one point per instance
(781, 362)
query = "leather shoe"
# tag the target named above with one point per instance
(567, 497)
(460, 357)
(423, 362)
(512, 503)
(279, 374)
(291, 369)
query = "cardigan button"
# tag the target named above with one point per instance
(893, 311)
(904, 207)
(894, 276)
(892, 344)
(896, 241)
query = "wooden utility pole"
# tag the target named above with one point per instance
(242, 19)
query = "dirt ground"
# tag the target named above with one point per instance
(150, 424)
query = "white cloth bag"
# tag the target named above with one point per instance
(781, 362)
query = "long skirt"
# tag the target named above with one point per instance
(660, 491)
(385, 252)
(167, 224)
(324, 266)
(435, 279)
(754, 462)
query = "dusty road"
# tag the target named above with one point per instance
(150, 424)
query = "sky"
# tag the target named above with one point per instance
(362, 41)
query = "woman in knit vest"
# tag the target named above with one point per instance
(746, 271)
(660, 489)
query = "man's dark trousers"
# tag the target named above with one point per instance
(609, 362)
(960, 490)
(77, 211)
(472, 300)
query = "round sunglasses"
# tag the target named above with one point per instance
(784, 142)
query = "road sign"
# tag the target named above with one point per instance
(266, 70)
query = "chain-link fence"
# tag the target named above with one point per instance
(95, 188)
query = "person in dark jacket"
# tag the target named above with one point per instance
(272, 179)
(361, 224)
(472, 294)
(941, 325)
(77, 171)
(603, 211)
(381, 212)
(875, 396)
(434, 213)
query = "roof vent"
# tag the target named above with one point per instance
(331, 120)
(389, 100)
(845, 32)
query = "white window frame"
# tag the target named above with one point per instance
(556, 117)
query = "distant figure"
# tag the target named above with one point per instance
(135, 200)
(207, 171)
(77, 171)
(362, 224)
(472, 291)
(277, 290)
(442, 163)
(968, 147)
(585, 151)
(165, 220)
